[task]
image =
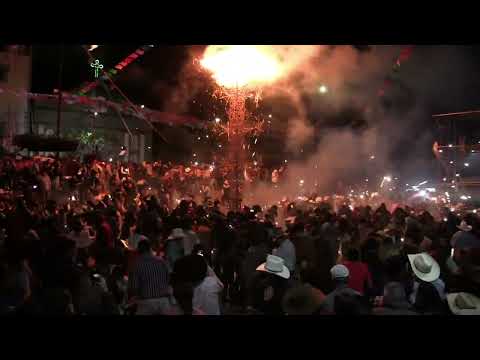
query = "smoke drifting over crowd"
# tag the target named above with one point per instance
(340, 127)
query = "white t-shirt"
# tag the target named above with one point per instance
(206, 296)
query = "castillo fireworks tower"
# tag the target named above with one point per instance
(239, 71)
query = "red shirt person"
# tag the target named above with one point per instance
(360, 277)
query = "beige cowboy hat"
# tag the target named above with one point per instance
(424, 266)
(275, 265)
(463, 304)
(464, 226)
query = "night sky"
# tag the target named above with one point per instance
(161, 63)
(438, 79)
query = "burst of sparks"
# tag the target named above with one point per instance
(241, 65)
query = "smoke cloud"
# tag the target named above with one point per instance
(343, 127)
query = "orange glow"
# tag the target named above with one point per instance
(241, 65)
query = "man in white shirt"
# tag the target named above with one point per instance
(207, 287)
(190, 238)
(206, 296)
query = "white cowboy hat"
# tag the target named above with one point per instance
(187, 170)
(177, 233)
(464, 226)
(275, 265)
(463, 304)
(424, 266)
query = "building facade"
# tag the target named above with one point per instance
(105, 124)
(21, 112)
(15, 82)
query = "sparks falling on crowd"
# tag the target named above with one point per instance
(238, 180)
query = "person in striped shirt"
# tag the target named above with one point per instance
(148, 282)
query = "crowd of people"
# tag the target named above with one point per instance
(102, 238)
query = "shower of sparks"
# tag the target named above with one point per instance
(241, 65)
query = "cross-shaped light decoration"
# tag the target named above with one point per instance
(96, 64)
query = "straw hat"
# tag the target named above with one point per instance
(424, 266)
(275, 265)
(464, 226)
(463, 304)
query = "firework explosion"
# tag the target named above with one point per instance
(240, 70)
(238, 66)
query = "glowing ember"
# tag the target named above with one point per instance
(323, 89)
(241, 65)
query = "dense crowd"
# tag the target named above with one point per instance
(93, 238)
